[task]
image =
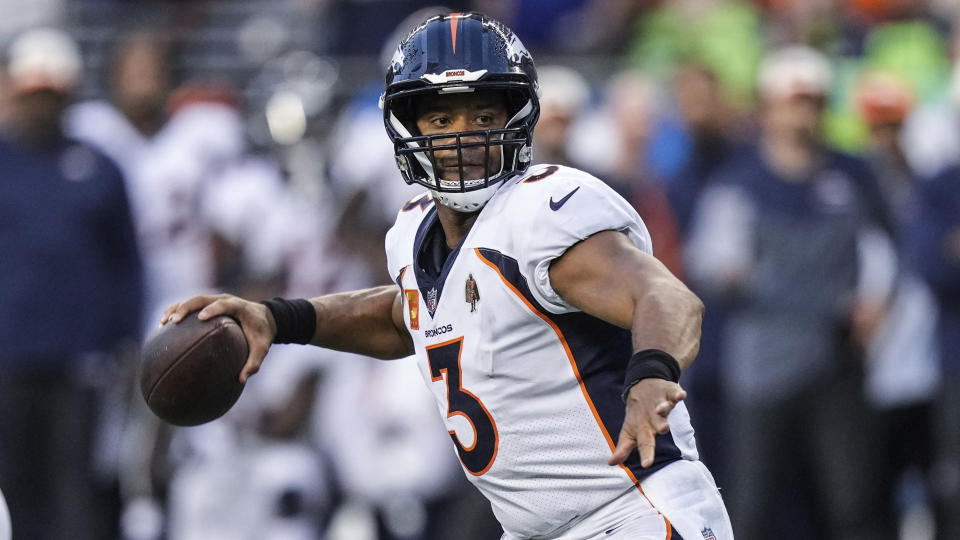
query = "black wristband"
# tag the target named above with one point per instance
(296, 320)
(650, 364)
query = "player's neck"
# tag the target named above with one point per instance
(455, 224)
(790, 157)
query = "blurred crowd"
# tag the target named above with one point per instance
(797, 163)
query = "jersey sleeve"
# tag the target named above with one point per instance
(398, 242)
(557, 224)
(394, 258)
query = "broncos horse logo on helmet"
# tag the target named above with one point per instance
(461, 53)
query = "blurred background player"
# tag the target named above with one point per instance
(935, 252)
(622, 156)
(565, 97)
(714, 132)
(66, 236)
(712, 126)
(901, 353)
(140, 80)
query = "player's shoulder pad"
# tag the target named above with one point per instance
(541, 179)
(399, 239)
(552, 208)
(559, 194)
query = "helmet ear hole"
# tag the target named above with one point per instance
(525, 155)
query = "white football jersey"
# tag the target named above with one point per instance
(528, 385)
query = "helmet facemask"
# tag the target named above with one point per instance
(417, 154)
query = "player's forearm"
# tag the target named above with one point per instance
(361, 322)
(668, 317)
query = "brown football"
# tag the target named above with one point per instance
(189, 373)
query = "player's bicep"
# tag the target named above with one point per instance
(609, 278)
(606, 275)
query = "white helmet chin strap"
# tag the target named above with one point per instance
(468, 201)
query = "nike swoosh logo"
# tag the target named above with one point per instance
(555, 205)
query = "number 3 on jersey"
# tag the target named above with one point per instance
(444, 359)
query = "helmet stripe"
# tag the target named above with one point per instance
(454, 19)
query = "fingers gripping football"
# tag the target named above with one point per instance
(254, 318)
(648, 405)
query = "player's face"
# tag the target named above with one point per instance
(142, 79)
(454, 113)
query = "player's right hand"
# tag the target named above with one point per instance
(254, 318)
(649, 402)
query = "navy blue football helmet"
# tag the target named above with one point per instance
(461, 53)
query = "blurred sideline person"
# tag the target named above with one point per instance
(184, 152)
(931, 133)
(935, 250)
(140, 79)
(531, 386)
(709, 122)
(707, 119)
(67, 239)
(139, 82)
(778, 232)
(170, 174)
(901, 353)
(633, 102)
(565, 96)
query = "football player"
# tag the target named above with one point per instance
(549, 335)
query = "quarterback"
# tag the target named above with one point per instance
(551, 338)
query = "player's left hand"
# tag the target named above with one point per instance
(648, 404)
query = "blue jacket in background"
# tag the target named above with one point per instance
(71, 278)
(790, 313)
(938, 217)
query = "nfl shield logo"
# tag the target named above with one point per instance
(708, 534)
(432, 301)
